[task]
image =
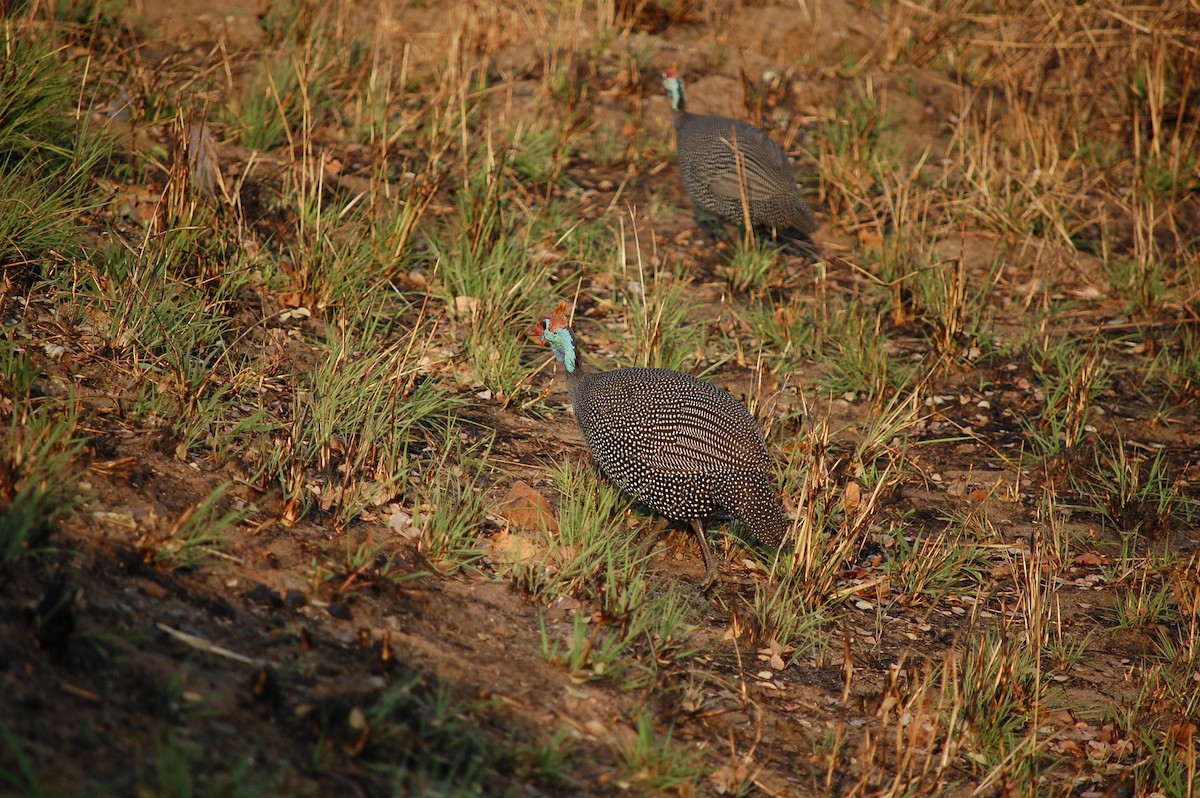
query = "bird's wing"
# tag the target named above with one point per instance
(766, 168)
(676, 435)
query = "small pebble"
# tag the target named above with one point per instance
(294, 599)
(262, 594)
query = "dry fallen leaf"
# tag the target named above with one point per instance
(400, 521)
(774, 654)
(526, 509)
(465, 305)
(730, 778)
(1182, 733)
(504, 546)
(852, 495)
(332, 167)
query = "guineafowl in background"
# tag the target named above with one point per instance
(725, 163)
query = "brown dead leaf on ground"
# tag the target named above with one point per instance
(526, 509)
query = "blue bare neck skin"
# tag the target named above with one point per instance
(563, 347)
(674, 88)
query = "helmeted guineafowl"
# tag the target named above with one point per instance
(719, 156)
(675, 443)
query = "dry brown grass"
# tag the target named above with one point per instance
(272, 389)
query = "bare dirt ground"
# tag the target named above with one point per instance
(262, 671)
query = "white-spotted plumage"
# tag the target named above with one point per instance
(718, 156)
(679, 445)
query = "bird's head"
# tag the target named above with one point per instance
(554, 333)
(557, 320)
(673, 87)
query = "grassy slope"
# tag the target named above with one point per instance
(284, 482)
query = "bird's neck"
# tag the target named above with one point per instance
(563, 347)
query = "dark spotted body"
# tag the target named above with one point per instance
(718, 155)
(683, 447)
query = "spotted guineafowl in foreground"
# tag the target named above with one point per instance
(714, 175)
(684, 448)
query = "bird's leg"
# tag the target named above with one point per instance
(710, 564)
(710, 223)
(794, 242)
(657, 527)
